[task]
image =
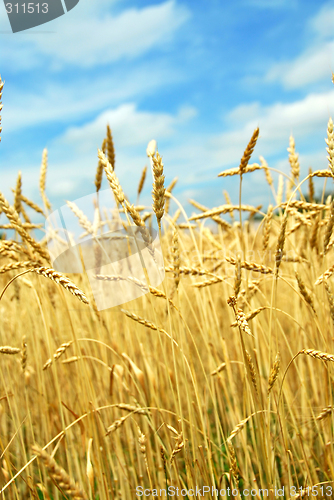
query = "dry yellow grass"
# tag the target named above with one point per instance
(192, 373)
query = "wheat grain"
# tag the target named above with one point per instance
(6, 349)
(330, 144)
(18, 265)
(318, 354)
(310, 185)
(110, 148)
(293, 159)
(250, 315)
(84, 222)
(248, 151)
(251, 266)
(238, 428)
(17, 223)
(274, 373)
(116, 425)
(304, 292)
(329, 228)
(280, 243)
(233, 463)
(158, 187)
(59, 475)
(239, 316)
(178, 447)
(99, 169)
(327, 274)
(223, 209)
(220, 368)
(216, 218)
(31, 204)
(61, 280)
(142, 180)
(251, 370)
(264, 165)
(24, 356)
(113, 180)
(59, 352)
(237, 278)
(330, 298)
(324, 413)
(236, 171)
(18, 192)
(176, 258)
(42, 179)
(168, 191)
(305, 205)
(266, 229)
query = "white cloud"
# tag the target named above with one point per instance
(311, 66)
(323, 23)
(130, 128)
(57, 102)
(88, 37)
(303, 118)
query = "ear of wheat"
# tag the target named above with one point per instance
(59, 475)
(158, 187)
(60, 279)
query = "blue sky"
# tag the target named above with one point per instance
(196, 76)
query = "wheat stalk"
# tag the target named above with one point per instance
(216, 218)
(6, 349)
(252, 371)
(280, 243)
(84, 222)
(304, 292)
(17, 223)
(59, 475)
(42, 179)
(18, 265)
(176, 258)
(158, 187)
(267, 226)
(61, 280)
(236, 171)
(330, 144)
(305, 205)
(324, 356)
(293, 158)
(112, 178)
(274, 373)
(327, 274)
(330, 298)
(237, 278)
(18, 192)
(250, 315)
(99, 169)
(223, 209)
(110, 148)
(59, 352)
(251, 266)
(142, 181)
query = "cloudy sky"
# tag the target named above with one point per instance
(196, 75)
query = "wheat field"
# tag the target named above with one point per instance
(220, 378)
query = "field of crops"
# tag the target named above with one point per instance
(219, 378)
